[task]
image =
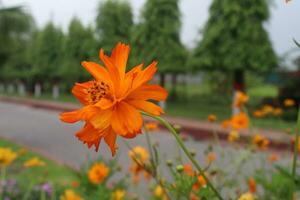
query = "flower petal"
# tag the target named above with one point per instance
(90, 136)
(79, 91)
(110, 140)
(126, 120)
(145, 75)
(84, 113)
(119, 57)
(146, 106)
(146, 92)
(96, 70)
(101, 120)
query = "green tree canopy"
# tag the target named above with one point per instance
(46, 53)
(16, 27)
(113, 23)
(234, 38)
(79, 45)
(157, 37)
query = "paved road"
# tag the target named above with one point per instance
(42, 130)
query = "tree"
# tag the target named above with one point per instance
(46, 54)
(156, 37)
(16, 27)
(113, 23)
(79, 45)
(235, 40)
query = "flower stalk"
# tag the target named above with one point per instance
(186, 151)
(295, 157)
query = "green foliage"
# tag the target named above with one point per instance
(16, 27)
(46, 53)
(156, 37)
(113, 23)
(79, 45)
(234, 38)
(278, 186)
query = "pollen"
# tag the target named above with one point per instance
(98, 90)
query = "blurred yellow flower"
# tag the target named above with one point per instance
(139, 154)
(289, 103)
(118, 195)
(260, 141)
(233, 136)
(212, 118)
(211, 156)
(240, 99)
(34, 162)
(240, 121)
(159, 193)
(277, 111)
(246, 196)
(258, 114)
(70, 195)
(266, 109)
(98, 172)
(7, 156)
(151, 126)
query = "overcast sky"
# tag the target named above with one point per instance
(283, 25)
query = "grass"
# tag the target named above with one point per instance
(52, 172)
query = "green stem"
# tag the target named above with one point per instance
(3, 177)
(295, 158)
(185, 150)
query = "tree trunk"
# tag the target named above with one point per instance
(173, 93)
(162, 84)
(2, 87)
(55, 91)
(239, 80)
(162, 79)
(37, 89)
(21, 88)
(238, 85)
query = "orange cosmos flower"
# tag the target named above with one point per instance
(226, 123)
(260, 141)
(212, 118)
(140, 157)
(240, 121)
(289, 103)
(188, 170)
(273, 157)
(151, 126)
(252, 185)
(211, 156)
(277, 111)
(112, 101)
(240, 99)
(258, 114)
(98, 172)
(201, 182)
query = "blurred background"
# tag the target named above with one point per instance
(205, 49)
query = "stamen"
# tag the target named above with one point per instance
(98, 90)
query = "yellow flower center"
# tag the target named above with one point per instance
(98, 90)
